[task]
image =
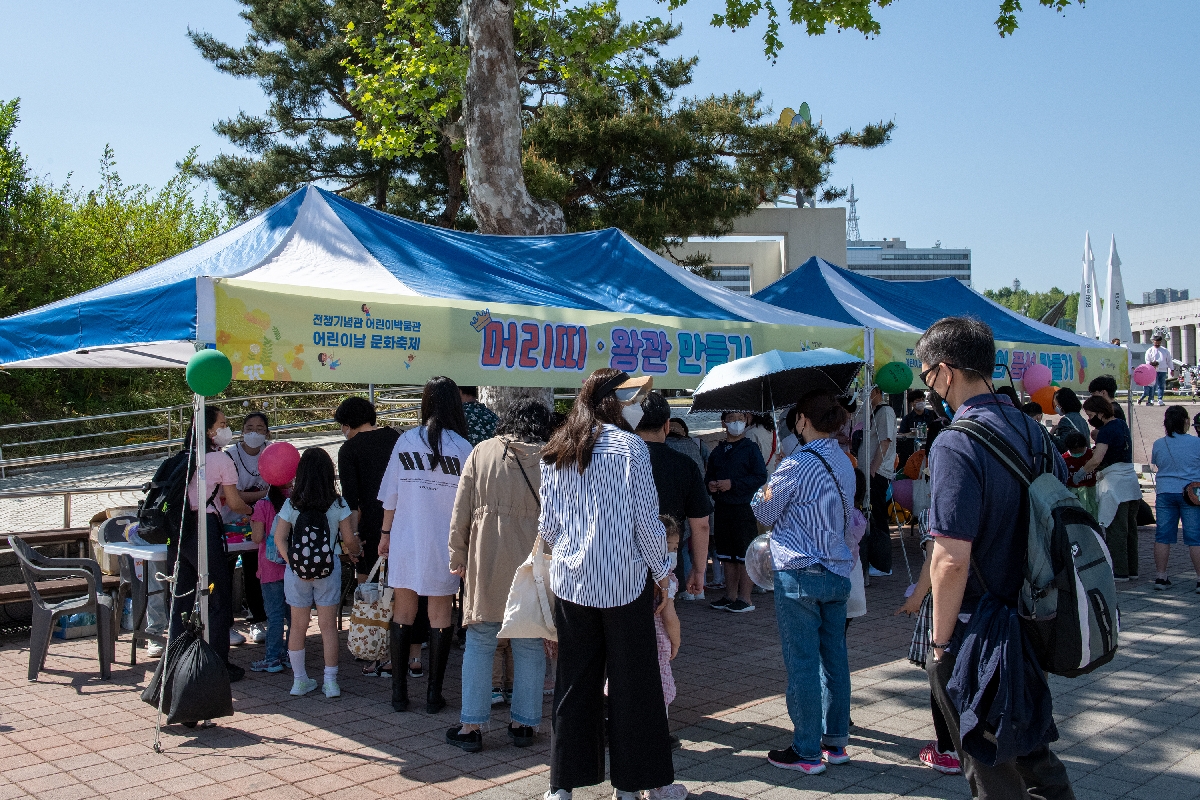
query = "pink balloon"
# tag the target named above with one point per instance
(902, 493)
(277, 464)
(1037, 376)
(1144, 375)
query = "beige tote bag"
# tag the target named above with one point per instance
(529, 613)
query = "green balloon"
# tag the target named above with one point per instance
(209, 372)
(894, 377)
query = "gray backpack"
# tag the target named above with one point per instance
(1068, 601)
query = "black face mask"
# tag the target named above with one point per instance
(1095, 422)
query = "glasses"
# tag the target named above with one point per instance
(924, 373)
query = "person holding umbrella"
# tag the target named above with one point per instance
(807, 503)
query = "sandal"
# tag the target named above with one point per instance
(371, 669)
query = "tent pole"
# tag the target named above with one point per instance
(201, 438)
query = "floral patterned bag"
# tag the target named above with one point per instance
(370, 617)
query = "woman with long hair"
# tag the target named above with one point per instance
(600, 516)
(221, 485)
(492, 532)
(808, 504)
(421, 482)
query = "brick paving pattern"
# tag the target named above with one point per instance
(1130, 730)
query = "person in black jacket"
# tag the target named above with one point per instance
(735, 472)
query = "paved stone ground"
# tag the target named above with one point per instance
(1130, 730)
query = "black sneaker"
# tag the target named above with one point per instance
(236, 673)
(1197, 587)
(1162, 583)
(722, 603)
(472, 741)
(788, 759)
(739, 607)
(675, 743)
(522, 735)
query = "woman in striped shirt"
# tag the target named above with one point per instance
(600, 516)
(808, 504)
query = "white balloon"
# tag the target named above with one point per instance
(759, 565)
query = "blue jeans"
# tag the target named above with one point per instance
(810, 606)
(1169, 510)
(529, 674)
(157, 618)
(276, 607)
(1159, 385)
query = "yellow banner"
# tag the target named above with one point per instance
(278, 334)
(1073, 367)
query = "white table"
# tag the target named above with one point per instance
(158, 552)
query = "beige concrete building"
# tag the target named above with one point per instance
(1179, 319)
(772, 241)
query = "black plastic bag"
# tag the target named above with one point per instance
(165, 671)
(1145, 514)
(198, 687)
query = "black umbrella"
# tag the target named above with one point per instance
(774, 380)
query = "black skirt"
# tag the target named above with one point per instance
(734, 528)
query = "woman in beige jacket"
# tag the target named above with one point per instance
(492, 531)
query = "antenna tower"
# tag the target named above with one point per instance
(852, 233)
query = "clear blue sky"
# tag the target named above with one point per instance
(1015, 147)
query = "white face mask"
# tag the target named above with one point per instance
(672, 560)
(736, 427)
(632, 414)
(222, 436)
(919, 408)
(254, 439)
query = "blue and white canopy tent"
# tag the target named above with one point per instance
(321, 288)
(898, 312)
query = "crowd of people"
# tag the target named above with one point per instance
(624, 499)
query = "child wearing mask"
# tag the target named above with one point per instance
(667, 631)
(271, 569)
(1083, 484)
(918, 412)
(735, 472)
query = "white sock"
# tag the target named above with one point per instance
(331, 673)
(297, 659)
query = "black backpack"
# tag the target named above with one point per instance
(310, 546)
(161, 512)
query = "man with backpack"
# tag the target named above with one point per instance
(980, 534)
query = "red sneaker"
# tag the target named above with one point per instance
(946, 763)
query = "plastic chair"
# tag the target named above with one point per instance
(35, 567)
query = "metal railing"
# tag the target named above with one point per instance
(67, 493)
(170, 425)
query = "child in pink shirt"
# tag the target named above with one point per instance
(270, 574)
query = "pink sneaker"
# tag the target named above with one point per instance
(835, 755)
(946, 763)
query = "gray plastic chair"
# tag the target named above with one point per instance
(35, 567)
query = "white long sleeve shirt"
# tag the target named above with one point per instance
(603, 524)
(1160, 354)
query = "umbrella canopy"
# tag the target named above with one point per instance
(774, 380)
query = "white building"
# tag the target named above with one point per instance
(894, 260)
(1178, 320)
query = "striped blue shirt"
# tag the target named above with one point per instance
(603, 524)
(806, 511)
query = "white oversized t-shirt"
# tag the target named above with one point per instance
(421, 490)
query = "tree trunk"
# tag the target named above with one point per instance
(500, 200)
(492, 112)
(453, 159)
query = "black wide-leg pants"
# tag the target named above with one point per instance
(618, 643)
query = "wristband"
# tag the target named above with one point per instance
(939, 646)
(385, 533)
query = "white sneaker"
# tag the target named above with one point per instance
(154, 650)
(235, 638)
(258, 634)
(1160, 403)
(561, 794)
(331, 688)
(676, 791)
(619, 795)
(875, 573)
(302, 686)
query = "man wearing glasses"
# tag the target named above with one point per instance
(974, 507)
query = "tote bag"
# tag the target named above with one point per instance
(369, 619)
(529, 613)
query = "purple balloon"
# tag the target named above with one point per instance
(1037, 376)
(1144, 375)
(902, 493)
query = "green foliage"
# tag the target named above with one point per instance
(854, 15)
(604, 135)
(1034, 305)
(58, 241)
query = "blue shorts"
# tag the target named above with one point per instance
(321, 592)
(1169, 510)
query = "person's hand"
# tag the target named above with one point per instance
(695, 584)
(674, 650)
(385, 539)
(720, 486)
(911, 606)
(461, 572)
